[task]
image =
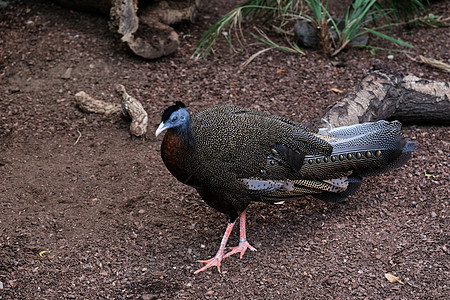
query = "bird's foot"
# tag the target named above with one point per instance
(243, 245)
(215, 261)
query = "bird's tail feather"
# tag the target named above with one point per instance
(398, 162)
(359, 151)
(364, 149)
(354, 183)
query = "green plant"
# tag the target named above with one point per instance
(432, 21)
(353, 25)
(265, 10)
(355, 19)
(401, 10)
(320, 20)
(334, 35)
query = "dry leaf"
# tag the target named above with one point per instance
(336, 91)
(280, 71)
(41, 254)
(392, 278)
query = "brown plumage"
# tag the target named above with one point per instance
(233, 156)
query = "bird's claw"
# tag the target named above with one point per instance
(215, 261)
(241, 248)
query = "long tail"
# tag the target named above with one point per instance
(358, 151)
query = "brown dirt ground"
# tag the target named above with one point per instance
(117, 225)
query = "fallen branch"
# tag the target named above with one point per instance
(88, 104)
(384, 94)
(133, 109)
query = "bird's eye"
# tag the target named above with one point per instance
(174, 119)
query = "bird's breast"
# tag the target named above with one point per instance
(175, 153)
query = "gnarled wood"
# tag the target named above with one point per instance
(148, 33)
(133, 109)
(384, 94)
(88, 104)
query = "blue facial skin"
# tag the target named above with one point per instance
(178, 119)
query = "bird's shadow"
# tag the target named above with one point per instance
(269, 225)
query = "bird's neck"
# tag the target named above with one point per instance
(185, 134)
(176, 148)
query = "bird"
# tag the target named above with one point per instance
(233, 155)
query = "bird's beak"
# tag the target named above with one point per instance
(160, 129)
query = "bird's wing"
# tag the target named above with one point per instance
(292, 135)
(331, 190)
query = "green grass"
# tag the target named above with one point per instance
(282, 14)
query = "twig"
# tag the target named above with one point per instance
(251, 58)
(435, 63)
(79, 136)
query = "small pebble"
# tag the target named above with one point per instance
(390, 56)
(14, 89)
(67, 74)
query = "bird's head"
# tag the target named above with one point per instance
(175, 116)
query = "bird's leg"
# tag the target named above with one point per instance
(243, 244)
(216, 260)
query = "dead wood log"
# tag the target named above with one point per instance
(384, 94)
(133, 109)
(148, 33)
(88, 104)
(423, 100)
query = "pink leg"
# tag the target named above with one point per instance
(216, 260)
(243, 244)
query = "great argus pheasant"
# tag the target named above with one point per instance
(233, 155)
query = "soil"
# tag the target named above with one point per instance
(87, 212)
